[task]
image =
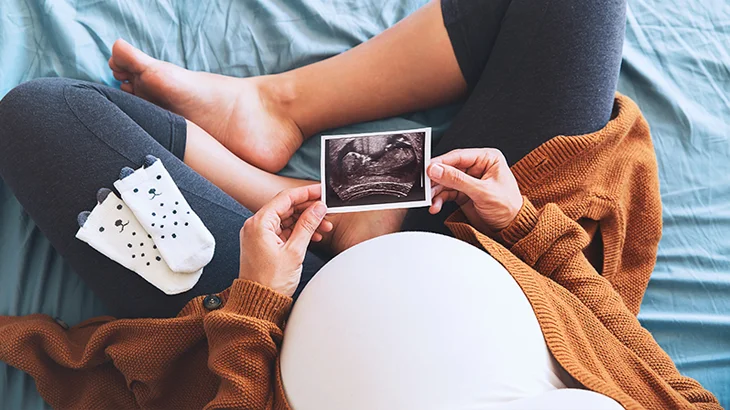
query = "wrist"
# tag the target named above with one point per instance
(514, 206)
(520, 226)
(285, 288)
(254, 275)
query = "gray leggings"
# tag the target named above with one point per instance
(61, 140)
(535, 69)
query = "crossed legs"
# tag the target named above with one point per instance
(530, 71)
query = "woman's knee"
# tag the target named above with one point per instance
(26, 108)
(29, 97)
(30, 113)
(35, 106)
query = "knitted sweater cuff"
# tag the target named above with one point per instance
(254, 300)
(521, 226)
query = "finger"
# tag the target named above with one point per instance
(287, 199)
(296, 210)
(442, 198)
(436, 189)
(281, 206)
(467, 158)
(436, 203)
(288, 222)
(326, 226)
(285, 234)
(459, 158)
(306, 226)
(316, 237)
(455, 179)
(299, 208)
(435, 206)
(448, 196)
(287, 214)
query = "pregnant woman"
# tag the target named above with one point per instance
(530, 323)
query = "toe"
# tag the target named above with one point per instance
(121, 76)
(127, 87)
(126, 57)
(113, 65)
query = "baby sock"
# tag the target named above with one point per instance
(184, 242)
(112, 229)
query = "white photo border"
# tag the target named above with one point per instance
(389, 205)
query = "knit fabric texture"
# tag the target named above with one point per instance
(594, 195)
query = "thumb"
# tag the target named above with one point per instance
(306, 226)
(455, 179)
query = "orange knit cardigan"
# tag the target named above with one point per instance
(600, 188)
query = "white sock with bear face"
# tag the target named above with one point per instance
(112, 229)
(182, 238)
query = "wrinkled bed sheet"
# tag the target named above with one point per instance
(676, 67)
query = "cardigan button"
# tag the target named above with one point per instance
(61, 323)
(212, 302)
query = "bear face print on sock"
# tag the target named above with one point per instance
(182, 238)
(112, 229)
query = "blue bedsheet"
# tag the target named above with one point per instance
(676, 67)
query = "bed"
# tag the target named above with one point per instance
(676, 66)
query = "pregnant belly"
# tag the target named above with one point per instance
(413, 321)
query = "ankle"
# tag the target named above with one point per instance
(285, 93)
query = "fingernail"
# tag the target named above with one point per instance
(437, 171)
(320, 210)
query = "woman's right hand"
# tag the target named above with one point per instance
(480, 181)
(275, 240)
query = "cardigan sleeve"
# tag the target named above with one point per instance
(552, 243)
(244, 339)
(225, 358)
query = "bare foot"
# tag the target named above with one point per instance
(353, 228)
(244, 114)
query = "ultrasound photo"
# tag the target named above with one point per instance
(363, 172)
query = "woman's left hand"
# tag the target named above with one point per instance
(275, 240)
(480, 181)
